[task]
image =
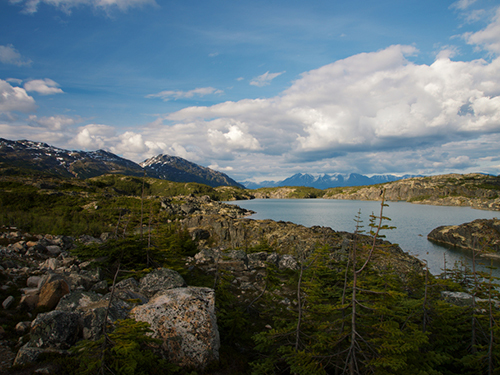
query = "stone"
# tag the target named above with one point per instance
(205, 256)
(184, 319)
(8, 302)
(33, 281)
(51, 264)
(30, 300)
(27, 354)
(257, 260)
(77, 300)
(100, 287)
(51, 292)
(55, 329)
(23, 327)
(130, 284)
(53, 250)
(287, 262)
(159, 281)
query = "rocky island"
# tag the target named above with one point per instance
(480, 235)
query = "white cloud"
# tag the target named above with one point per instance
(488, 38)
(264, 79)
(201, 91)
(9, 55)
(43, 86)
(462, 4)
(53, 122)
(236, 138)
(94, 136)
(15, 99)
(31, 6)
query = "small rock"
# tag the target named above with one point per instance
(7, 303)
(23, 327)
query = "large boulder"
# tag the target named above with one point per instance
(184, 318)
(92, 309)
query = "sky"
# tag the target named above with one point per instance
(259, 90)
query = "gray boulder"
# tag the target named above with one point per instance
(159, 281)
(184, 319)
(55, 329)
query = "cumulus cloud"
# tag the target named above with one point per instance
(93, 137)
(487, 38)
(264, 79)
(15, 99)
(201, 91)
(236, 138)
(31, 6)
(363, 105)
(43, 86)
(9, 55)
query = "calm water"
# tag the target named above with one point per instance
(412, 221)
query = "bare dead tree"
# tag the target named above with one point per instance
(351, 364)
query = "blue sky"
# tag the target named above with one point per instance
(259, 90)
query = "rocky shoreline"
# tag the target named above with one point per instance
(468, 190)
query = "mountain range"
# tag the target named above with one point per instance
(28, 155)
(325, 181)
(41, 157)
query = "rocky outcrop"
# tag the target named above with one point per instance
(472, 190)
(479, 235)
(183, 206)
(277, 193)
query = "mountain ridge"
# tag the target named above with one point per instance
(325, 180)
(42, 157)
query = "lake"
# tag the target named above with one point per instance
(412, 221)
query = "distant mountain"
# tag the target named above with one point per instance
(325, 181)
(176, 169)
(44, 158)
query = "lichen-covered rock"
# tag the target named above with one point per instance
(257, 260)
(77, 300)
(184, 318)
(160, 280)
(130, 284)
(55, 329)
(287, 262)
(91, 309)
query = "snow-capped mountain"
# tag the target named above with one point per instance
(177, 169)
(45, 158)
(325, 181)
(28, 155)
